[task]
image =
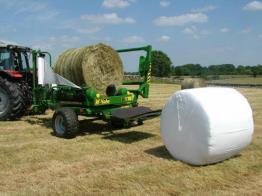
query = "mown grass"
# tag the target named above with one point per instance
(131, 161)
(239, 80)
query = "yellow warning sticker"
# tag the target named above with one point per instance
(128, 98)
(102, 101)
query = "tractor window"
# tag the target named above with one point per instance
(5, 59)
(24, 60)
(20, 61)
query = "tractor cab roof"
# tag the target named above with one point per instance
(13, 46)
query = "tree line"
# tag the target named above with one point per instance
(223, 69)
(162, 66)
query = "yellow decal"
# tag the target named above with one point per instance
(149, 74)
(102, 101)
(128, 98)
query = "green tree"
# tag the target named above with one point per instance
(241, 70)
(179, 71)
(161, 64)
(256, 70)
(188, 70)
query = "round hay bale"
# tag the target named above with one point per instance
(95, 66)
(189, 83)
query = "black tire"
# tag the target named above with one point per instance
(11, 101)
(65, 123)
(27, 94)
(27, 97)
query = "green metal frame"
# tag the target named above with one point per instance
(92, 104)
(145, 67)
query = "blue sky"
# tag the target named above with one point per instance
(196, 31)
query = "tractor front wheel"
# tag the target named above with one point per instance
(65, 123)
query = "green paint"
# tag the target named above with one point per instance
(86, 101)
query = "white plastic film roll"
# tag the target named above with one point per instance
(41, 70)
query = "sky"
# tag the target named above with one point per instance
(197, 31)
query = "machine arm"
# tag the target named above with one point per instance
(145, 64)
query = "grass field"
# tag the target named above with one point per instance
(123, 162)
(238, 80)
(223, 79)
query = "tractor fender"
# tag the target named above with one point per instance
(10, 74)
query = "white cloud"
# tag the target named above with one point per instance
(195, 32)
(181, 20)
(89, 30)
(165, 3)
(164, 38)
(253, 6)
(117, 3)
(112, 18)
(7, 42)
(204, 9)
(133, 39)
(79, 26)
(62, 42)
(246, 30)
(225, 30)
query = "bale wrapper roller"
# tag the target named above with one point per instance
(118, 106)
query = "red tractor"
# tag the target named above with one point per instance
(15, 81)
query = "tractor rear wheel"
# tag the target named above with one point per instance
(27, 95)
(65, 123)
(11, 101)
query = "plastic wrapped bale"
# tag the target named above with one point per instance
(206, 125)
(189, 83)
(94, 66)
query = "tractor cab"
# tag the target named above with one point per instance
(14, 59)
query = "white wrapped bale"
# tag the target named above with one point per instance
(206, 125)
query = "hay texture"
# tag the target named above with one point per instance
(192, 83)
(95, 66)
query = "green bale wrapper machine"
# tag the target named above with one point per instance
(118, 107)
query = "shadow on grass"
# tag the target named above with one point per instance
(85, 126)
(129, 137)
(44, 122)
(90, 126)
(160, 152)
(95, 126)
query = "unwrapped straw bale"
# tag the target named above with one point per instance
(189, 83)
(95, 66)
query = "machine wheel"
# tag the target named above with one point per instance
(11, 102)
(65, 123)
